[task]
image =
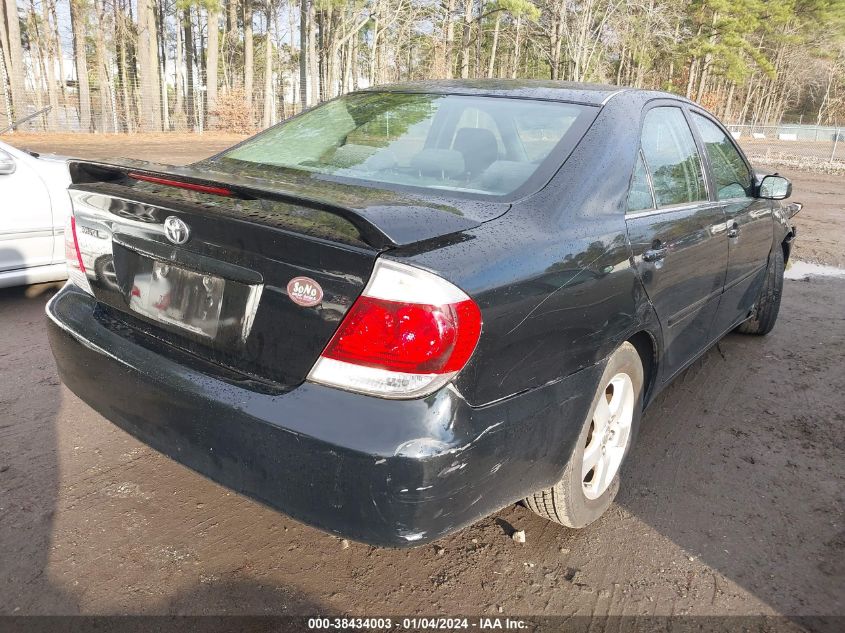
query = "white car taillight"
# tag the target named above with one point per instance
(408, 334)
(75, 267)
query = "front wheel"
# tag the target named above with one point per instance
(591, 477)
(766, 309)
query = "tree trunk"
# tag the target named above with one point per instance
(4, 78)
(556, 40)
(620, 68)
(77, 21)
(465, 38)
(491, 66)
(15, 54)
(49, 60)
(728, 108)
(313, 70)
(103, 82)
(268, 70)
(59, 54)
(355, 62)
(231, 44)
(148, 69)
(179, 79)
(188, 43)
(303, 54)
(5, 62)
(450, 36)
(374, 50)
(161, 64)
(516, 46)
(211, 59)
(122, 75)
(35, 54)
(248, 54)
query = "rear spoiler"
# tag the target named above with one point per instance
(381, 226)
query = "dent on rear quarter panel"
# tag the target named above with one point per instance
(553, 276)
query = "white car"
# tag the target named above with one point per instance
(34, 206)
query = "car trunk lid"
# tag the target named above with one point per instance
(251, 276)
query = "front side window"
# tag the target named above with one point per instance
(672, 158)
(733, 179)
(444, 142)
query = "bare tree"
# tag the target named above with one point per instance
(249, 69)
(148, 68)
(211, 56)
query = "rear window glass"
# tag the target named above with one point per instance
(482, 145)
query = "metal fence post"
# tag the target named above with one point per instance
(835, 141)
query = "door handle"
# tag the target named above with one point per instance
(655, 254)
(733, 231)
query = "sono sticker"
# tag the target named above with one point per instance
(305, 291)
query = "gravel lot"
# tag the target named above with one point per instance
(732, 502)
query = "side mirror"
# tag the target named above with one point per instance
(7, 164)
(775, 187)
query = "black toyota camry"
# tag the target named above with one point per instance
(413, 305)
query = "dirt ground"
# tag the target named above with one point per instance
(731, 504)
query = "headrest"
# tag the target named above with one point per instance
(478, 146)
(446, 163)
(504, 176)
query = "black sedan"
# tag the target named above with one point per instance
(414, 305)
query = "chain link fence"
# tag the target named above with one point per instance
(124, 110)
(808, 147)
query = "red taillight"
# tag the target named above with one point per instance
(407, 337)
(72, 253)
(408, 334)
(192, 186)
(73, 256)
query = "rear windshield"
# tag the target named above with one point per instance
(483, 145)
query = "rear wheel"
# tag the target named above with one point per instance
(591, 478)
(766, 309)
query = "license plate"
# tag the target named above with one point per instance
(179, 297)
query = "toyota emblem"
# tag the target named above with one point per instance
(176, 230)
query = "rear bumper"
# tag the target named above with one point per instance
(395, 473)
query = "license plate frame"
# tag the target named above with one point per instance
(188, 300)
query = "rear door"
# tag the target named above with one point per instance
(748, 221)
(26, 221)
(676, 235)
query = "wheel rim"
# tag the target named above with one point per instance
(610, 432)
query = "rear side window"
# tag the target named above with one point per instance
(672, 158)
(733, 179)
(639, 197)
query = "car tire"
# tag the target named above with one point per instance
(766, 308)
(582, 495)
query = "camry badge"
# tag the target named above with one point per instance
(176, 230)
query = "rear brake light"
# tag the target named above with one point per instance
(192, 186)
(408, 334)
(73, 256)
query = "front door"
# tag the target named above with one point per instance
(674, 230)
(26, 221)
(749, 228)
